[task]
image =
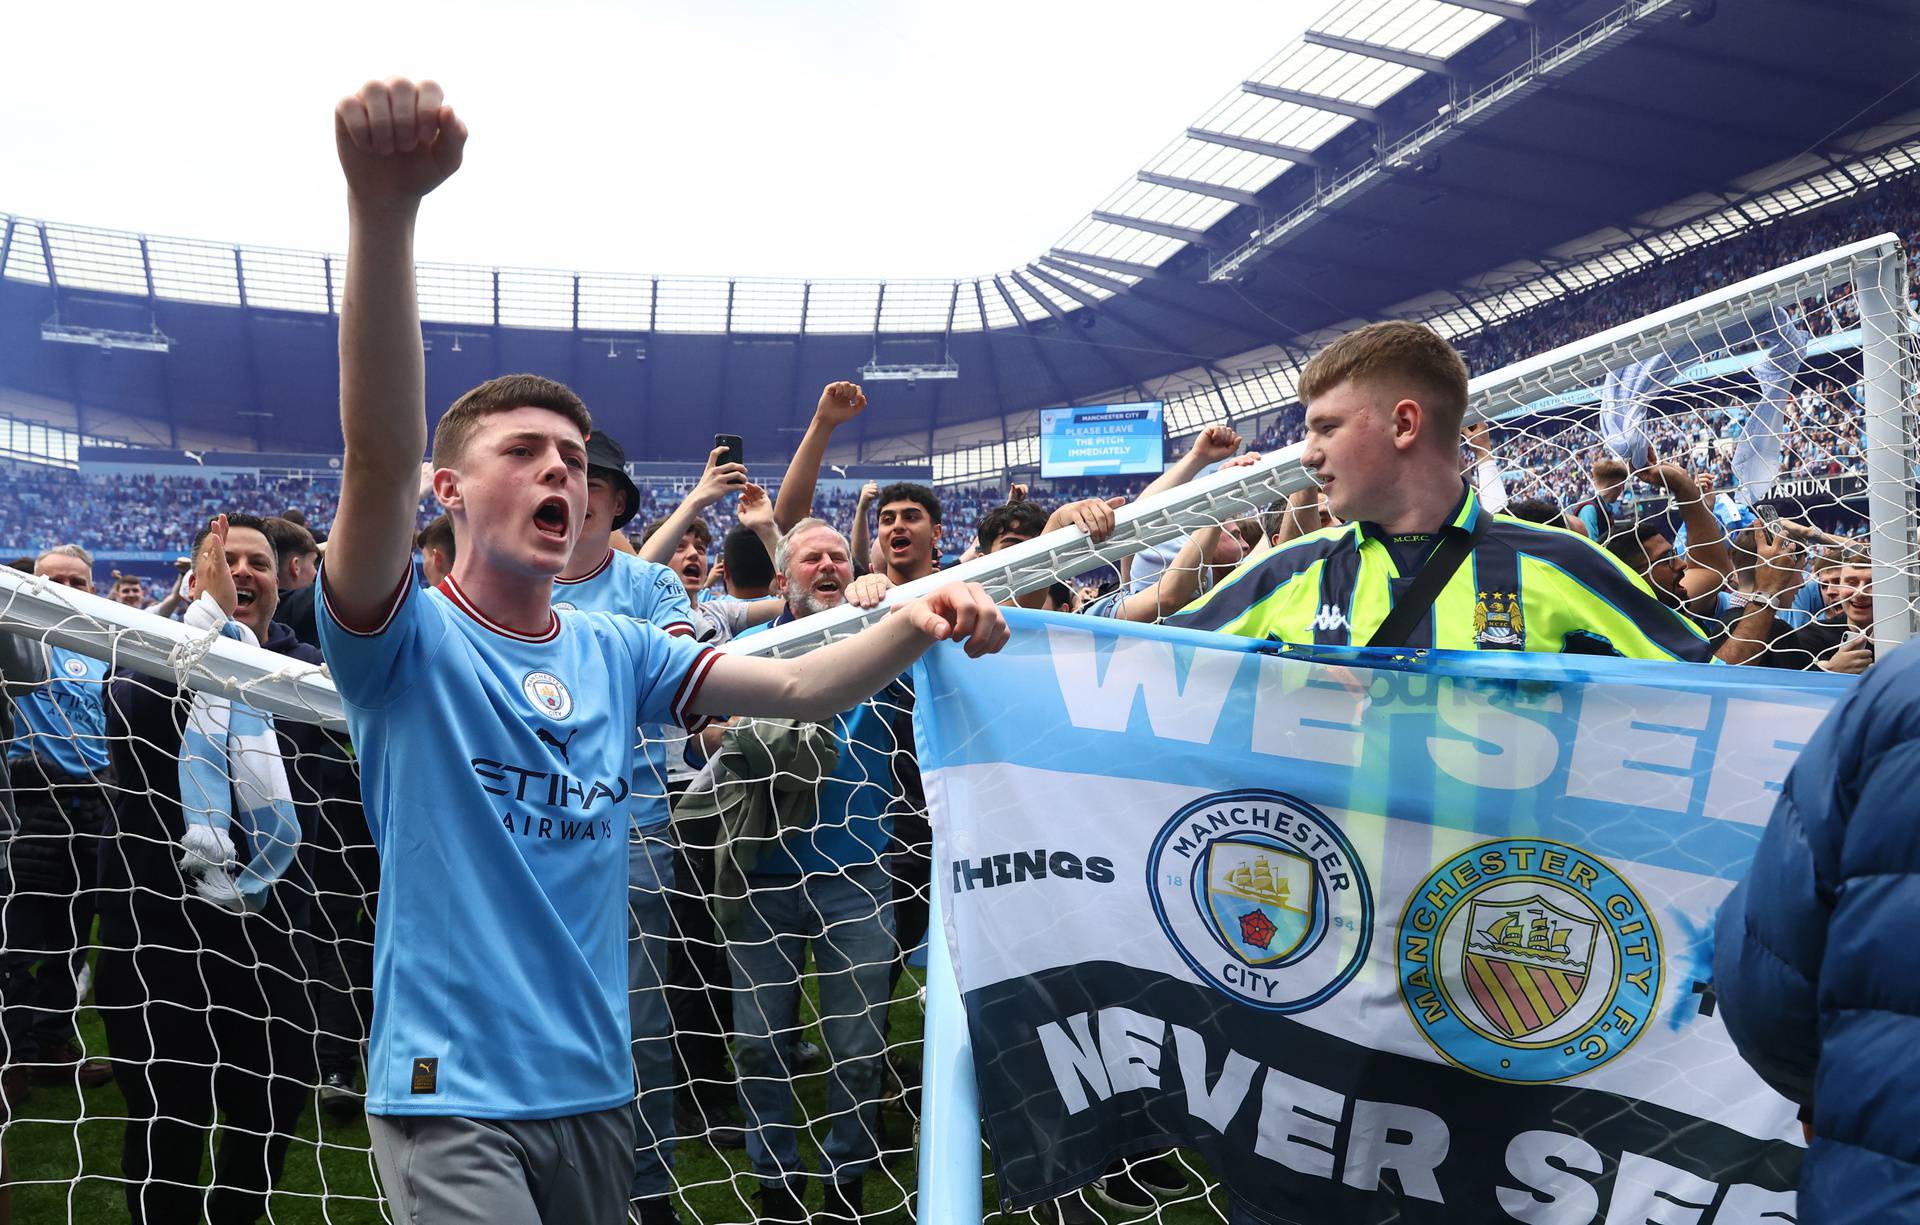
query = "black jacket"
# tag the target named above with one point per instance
(1803, 648)
(296, 612)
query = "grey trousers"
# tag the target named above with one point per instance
(452, 1171)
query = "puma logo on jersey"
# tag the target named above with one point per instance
(426, 1076)
(1330, 618)
(546, 737)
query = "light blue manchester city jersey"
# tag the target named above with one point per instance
(632, 587)
(63, 720)
(495, 767)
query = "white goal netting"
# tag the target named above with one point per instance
(796, 1005)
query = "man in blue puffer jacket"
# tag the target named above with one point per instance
(1817, 955)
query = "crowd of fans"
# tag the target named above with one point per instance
(746, 549)
(139, 513)
(1822, 438)
(1547, 457)
(898, 533)
(1894, 209)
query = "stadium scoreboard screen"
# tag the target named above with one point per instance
(1102, 440)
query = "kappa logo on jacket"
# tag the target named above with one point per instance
(1331, 618)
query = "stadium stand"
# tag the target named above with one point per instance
(42, 506)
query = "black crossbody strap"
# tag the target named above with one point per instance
(1455, 544)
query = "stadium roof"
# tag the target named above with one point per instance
(1403, 149)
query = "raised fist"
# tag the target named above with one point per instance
(840, 403)
(397, 141)
(1215, 443)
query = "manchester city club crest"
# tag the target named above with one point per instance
(1498, 620)
(1263, 897)
(548, 693)
(1528, 961)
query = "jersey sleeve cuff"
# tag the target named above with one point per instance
(398, 598)
(690, 691)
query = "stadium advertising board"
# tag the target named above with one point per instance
(1102, 440)
(1817, 489)
(1423, 940)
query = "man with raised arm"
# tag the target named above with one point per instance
(495, 736)
(839, 404)
(815, 878)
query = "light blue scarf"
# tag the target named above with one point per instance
(1756, 459)
(229, 752)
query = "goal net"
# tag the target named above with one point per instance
(806, 1008)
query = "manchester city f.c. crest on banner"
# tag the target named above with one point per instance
(1528, 960)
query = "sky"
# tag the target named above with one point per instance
(830, 138)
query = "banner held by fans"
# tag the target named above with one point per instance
(1418, 939)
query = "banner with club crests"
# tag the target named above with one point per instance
(1420, 938)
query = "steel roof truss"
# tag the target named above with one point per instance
(1123, 267)
(1318, 102)
(1265, 148)
(1377, 51)
(1178, 233)
(1232, 195)
(1499, 8)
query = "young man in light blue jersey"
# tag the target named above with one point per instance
(495, 736)
(600, 578)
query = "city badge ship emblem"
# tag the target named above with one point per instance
(1529, 961)
(1526, 963)
(548, 693)
(1260, 898)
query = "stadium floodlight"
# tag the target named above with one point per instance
(106, 339)
(909, 372)
(634, 346)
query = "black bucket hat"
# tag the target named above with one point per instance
(606, 457)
